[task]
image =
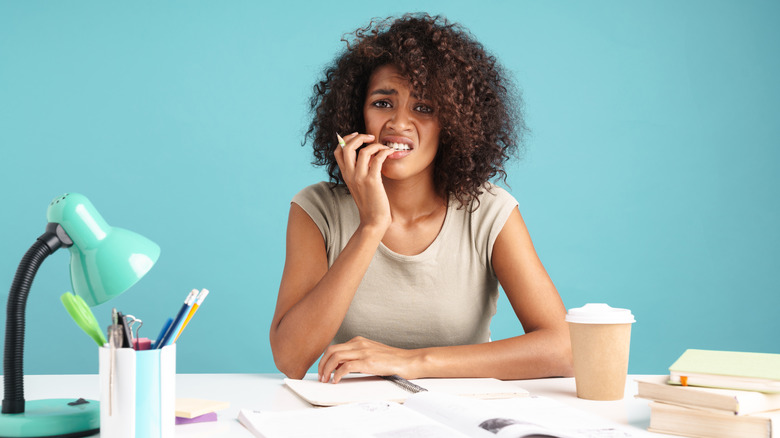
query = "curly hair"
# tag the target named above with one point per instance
(479, 110)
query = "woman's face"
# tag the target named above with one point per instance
(399, 119)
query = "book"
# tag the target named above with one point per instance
(733, 401)
(691, 422)
(431, 414)
(727, 369)
(363, 388)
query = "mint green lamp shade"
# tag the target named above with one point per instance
(105, 261)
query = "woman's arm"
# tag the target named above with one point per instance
(544, 350)
(313, 299)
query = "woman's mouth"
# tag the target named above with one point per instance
(398, 146)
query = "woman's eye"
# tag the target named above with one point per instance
(381, 104)
(424, 109)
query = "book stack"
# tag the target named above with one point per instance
(716, 394)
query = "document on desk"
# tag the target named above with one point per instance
(372, 419)
(434, 415)
(363, 388)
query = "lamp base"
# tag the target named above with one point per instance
(53, 418)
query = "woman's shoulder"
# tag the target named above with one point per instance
(489, 209)
(489, 212)
(494, 197)
(322, 199)
(321, 191)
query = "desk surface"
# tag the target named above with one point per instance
(267, 392)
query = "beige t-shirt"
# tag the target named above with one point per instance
(444, 296)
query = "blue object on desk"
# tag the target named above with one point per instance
(178, 321)
(165, 327)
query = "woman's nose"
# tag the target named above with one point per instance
(401, 120)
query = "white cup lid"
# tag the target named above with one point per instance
(599, 313)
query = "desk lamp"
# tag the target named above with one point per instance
(105, 261)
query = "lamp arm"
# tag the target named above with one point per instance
(13, 359)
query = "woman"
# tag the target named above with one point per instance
(393, 268)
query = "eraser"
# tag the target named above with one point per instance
(211, 416)
(142, 344)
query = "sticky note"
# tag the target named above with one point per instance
(195, 407)
(211, 416)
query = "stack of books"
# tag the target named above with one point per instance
(716, 394)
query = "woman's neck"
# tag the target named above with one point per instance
(413, 200)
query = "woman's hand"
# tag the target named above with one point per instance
(362, 172)
(361, 355)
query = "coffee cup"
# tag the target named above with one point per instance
(600, 340)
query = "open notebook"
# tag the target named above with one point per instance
(362, 388)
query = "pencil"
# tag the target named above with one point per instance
(198, 302)
(178, 320)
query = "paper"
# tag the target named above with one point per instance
(362, 388)
(376, 419)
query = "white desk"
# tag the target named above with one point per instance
(267, 392)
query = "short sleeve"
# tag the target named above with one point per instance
(487, 221)
(318, 202)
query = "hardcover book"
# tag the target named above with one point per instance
(727, 369)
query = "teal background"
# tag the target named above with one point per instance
(650, 179)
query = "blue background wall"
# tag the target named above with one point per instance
(650, 181)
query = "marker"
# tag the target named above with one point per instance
(198, 302)
(342, 143)
(178, 320)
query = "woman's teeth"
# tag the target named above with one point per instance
(399, 146)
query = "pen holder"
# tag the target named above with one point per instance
(139, 400)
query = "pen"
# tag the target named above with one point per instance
(165, 328)
(198, 302)
(178, 320)
(114, 342)
(342, 143)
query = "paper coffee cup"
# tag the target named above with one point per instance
(600, 340)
